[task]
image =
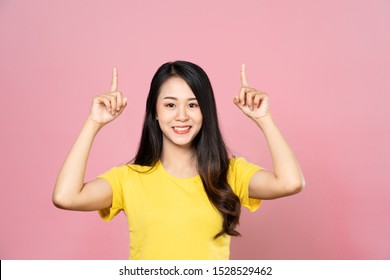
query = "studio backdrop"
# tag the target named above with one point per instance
(324, 64)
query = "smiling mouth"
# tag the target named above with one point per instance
(181, 129)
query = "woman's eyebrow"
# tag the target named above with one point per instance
(175, 98)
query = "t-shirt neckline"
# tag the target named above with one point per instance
(160, 167)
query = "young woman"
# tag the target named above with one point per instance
(182, 194)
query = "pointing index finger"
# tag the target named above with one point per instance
(114, 82)
(244, 81)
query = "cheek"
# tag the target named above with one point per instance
(199, 117)
(158, 110)
(162, 113)
(196, 116)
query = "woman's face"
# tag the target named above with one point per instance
(178, 113)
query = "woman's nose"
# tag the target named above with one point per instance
(182, 114)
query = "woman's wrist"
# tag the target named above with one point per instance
(93, 125)
(263, 121)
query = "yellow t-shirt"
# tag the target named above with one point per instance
(172, 218)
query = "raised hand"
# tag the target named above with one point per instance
(254, 103)
(108, 106)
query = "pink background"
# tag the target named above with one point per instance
(324, 64)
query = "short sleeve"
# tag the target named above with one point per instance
(239, 175)
(116, 178)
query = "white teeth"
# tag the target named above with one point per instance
(181, 128)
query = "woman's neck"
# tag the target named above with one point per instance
(179, 161)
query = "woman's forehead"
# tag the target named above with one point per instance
(177, 88)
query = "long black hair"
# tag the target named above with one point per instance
(210, 149)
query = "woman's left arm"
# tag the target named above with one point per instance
(286, 178)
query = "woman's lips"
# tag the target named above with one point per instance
(181, 129)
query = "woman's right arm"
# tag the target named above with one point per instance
(70, 191)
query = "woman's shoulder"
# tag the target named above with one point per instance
(238, 164)
(132, 167)
(233, 161)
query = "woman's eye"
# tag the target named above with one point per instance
(170, 105)
(193, 105)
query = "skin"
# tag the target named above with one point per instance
(286, 178)
(176, 107)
